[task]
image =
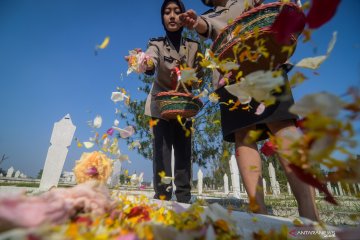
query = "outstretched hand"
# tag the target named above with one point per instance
(128, 57)
(189, 19)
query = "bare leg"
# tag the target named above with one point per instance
(304, 193)
(249, 164)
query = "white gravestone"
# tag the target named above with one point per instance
(278, 187)
(328, 185)
(355, 191)
(264, 186)
(235, 177)
(289, 188)
(340, 189)
(273, 181)
(115, 176)
(10, 172)
(17, 174)
(173, 169)
(226, 184)
(348, 189)
(141, 178)
(317, 193)
(61, 138)
(200, 176)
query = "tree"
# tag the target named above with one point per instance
(40, 173)
(3, 158)
(208, 146)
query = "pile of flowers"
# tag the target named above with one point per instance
(88, 211)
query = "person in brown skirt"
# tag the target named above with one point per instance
(166, 53)
(276, 118)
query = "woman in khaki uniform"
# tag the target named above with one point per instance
(167, 53)
(236, 124)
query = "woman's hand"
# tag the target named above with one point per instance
(127, 58)
(189, 19)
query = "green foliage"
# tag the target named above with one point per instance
(40, 173)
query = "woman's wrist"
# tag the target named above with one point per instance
(196, 22)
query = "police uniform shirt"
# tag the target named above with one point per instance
(219, 17)
(165, 58)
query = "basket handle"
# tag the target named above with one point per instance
(183, 85)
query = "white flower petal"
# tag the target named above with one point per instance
(88, 144)
(117, 96)
(324, 103)
(188, 75)
(97, 121)
(166, 180)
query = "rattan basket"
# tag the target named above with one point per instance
(260, 18)
(174, 103)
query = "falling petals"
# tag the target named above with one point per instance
(288, 23)
(118, 96)
(311, 180)
(153, 122)
(268, 149)
(257, 85)
(188, 75)
(97, 122)
(88, 144)
(126, 132)
(315, 62)
(110, 131)
(105, 43)
(260, 109)
(321, 11)
(325, 103)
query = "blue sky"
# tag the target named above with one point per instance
(48, 68)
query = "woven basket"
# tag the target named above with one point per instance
(261, 17)
(174, 103)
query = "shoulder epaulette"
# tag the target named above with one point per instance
(208, 11)
(157, 39)
(191, 40)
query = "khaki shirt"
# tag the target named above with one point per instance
(165, 58)
(219, 17)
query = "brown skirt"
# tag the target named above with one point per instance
(233, 121)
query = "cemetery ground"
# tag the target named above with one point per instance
(345, 214)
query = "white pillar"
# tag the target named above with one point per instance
(289, 188)
(273, 179)
(340, 189)
(264, 186)
(226, 184)
(173, 169)
(328, 185)
(200, 181)
(235, 177)
(355, 190)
